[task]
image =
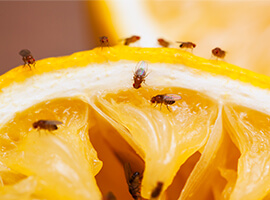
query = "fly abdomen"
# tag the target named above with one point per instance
(54, 127)
(169, 102)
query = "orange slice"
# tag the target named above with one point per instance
(211, 144)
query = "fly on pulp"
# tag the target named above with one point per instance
(133, 181)
(156, 192)
(49, 125)
(167, 99)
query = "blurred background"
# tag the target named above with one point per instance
(56, 28)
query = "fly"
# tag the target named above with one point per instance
(49, 125)
(133, 181)
(140, 74)
(167, 99)
(27, 57)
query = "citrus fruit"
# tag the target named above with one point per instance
(208, 24)
(210, 144)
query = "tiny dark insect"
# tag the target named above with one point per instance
(167, 99)
(132, 39)
(109, 196)
(27, 57)
(140, 74)
(163, 42)
(218, 52)
(104, 41)
(187, 45)
(49, 125)
(156, 192)
(133, 181)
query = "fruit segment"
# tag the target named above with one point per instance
(200, 181)
(62, 163)
(164, 138)
(59, 171)
(250, 130)
(22, 190)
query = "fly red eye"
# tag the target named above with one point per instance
(136, 86)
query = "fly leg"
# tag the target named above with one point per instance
(160, 106)
(168, 107)
(29, 66)
(25, 61)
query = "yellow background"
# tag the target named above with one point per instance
(241, 28)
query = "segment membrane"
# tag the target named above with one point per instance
(250, 131)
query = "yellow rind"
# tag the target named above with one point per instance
(153, 55)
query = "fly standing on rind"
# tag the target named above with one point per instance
(187, 45)
(104, 41)
(132, 39)
(163, 42)
(218, 53)
(27, 57)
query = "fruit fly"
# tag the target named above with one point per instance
(140, 74)
(167, 99)
(156, 192)
(132, 39)
(109, 196)
(187, 45)
(27, 57)
(49, 125)
(104, 41)
(133, 181)
(218, 52)
(163, 42)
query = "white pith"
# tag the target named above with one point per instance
(85, 81)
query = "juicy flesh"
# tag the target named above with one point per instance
(59, 164)
(162, 136)
(197, 148)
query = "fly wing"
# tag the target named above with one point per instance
(128, 172)
(140, 72)
(172, 97)
(53, 122)
(25, 52)
(141, 68)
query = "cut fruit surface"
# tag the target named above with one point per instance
(250, 129)
(63, 165)
(211, 143)
(158, 135)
